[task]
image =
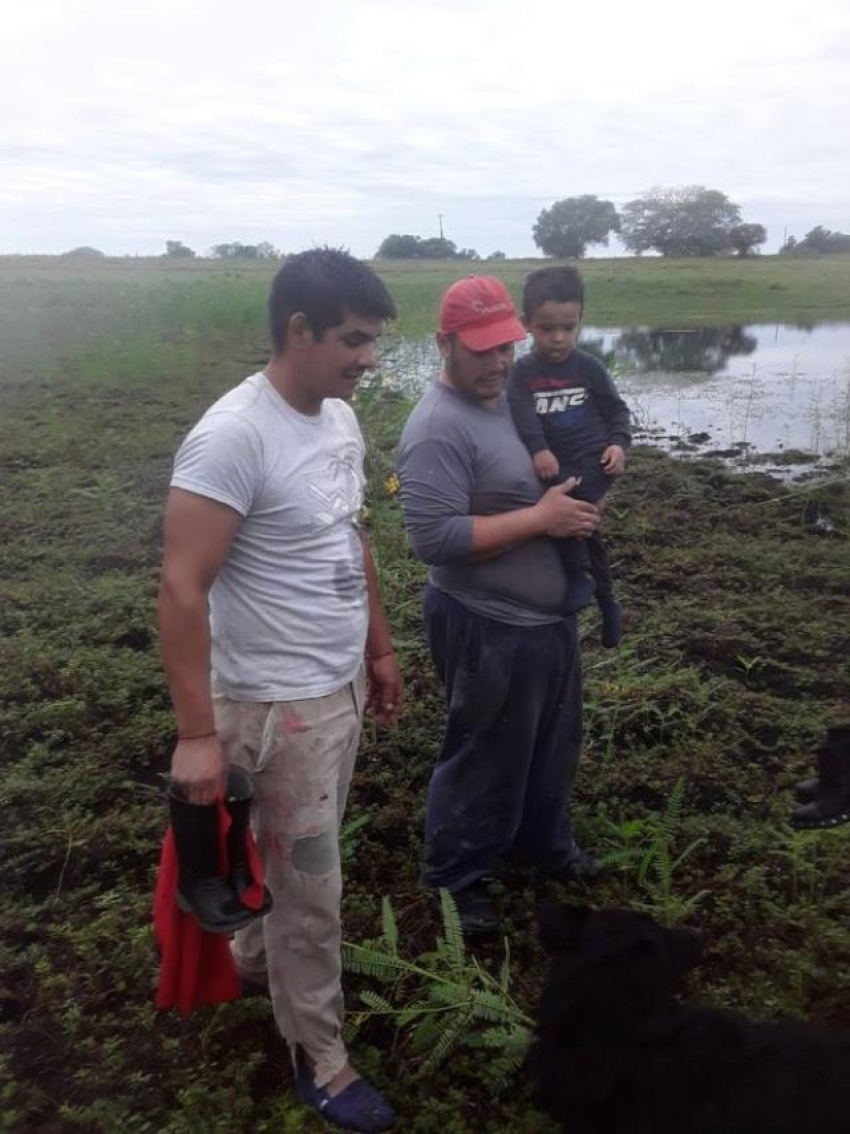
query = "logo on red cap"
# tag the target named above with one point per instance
(480, 311)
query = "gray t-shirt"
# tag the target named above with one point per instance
(458, 459)
(289, 608)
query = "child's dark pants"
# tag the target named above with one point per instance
(589, 554)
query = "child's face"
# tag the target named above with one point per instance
(554, 327)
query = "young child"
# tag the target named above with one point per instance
(570, 417)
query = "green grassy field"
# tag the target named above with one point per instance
(50, 306)
(658, 292)
(737, 594)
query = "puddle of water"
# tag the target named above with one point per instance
(764, 396)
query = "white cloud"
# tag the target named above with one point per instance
(344, 121)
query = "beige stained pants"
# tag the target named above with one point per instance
(300, 755)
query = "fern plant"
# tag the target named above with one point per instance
(444, 998)
(645, 847)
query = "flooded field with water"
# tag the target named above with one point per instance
(769, 396)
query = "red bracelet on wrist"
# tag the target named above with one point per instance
(198, 735)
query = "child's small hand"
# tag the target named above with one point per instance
(546, 464)
(613, 460)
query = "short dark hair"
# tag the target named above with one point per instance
(561, 285)
(325, 285)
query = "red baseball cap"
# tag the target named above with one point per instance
(480, 311)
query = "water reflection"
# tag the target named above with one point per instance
(765, 396)
(706, 349)
(754, 393)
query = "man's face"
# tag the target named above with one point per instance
(554, 328)
(333, 365)
(478, 375)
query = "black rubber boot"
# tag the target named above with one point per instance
(838, 736)
(237, 799)
(612, 621)
(806, 790)
(201, 890)
(830, 806)
(610, 609)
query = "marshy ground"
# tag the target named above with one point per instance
(737, 598)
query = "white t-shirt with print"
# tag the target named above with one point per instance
(289, 608)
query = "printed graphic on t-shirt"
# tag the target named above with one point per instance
(557, 401)
(340, 495)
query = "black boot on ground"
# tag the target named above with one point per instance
(201, 890)
(612, 621)
(830, 805)
(806, 790)
(237, 800)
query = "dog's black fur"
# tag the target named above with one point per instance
(616, 1052)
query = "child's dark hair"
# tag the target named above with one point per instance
(326, 285)
(559, 285)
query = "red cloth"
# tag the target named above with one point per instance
(197, 967)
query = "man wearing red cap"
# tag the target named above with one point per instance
(499, 614)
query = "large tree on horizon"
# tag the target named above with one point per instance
(566, 228)
(693, 221)
(745, 238)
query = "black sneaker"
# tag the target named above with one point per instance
(476, 910)
(579, 867)
(359, 1106)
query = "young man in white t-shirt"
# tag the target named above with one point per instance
(274, 640)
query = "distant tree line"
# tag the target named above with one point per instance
(237, 251)
(693, 221)
(176, 249)
(85, 252)
(819, 242)
(404, 246)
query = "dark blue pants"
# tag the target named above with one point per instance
(502, 784)
(589, 554)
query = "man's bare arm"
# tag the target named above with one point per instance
(386, 689)
(198, 533)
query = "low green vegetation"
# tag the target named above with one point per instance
(655, 291)
(444, 999)
(737, 593)
(51, 308)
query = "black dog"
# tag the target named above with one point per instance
(616, 1053)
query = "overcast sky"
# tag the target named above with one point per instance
(123, 125)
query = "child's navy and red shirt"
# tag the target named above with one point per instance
(572, 408)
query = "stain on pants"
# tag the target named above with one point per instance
(300, 755)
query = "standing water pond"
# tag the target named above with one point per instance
(769, 396)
